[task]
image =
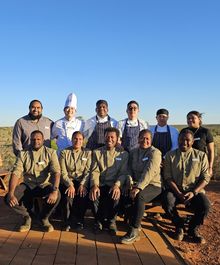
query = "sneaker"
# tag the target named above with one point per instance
(196, 237)
(26, 226)
(98, 226)
(67, 228)
(179, 234)
(79, 225)
(131, 236)
(113, 228)
(47, 226)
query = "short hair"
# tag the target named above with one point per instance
(78, 132)
(186, 131)
(37, 131)
(101, 101)
(195, 112)
(112, 129)
(35, 100)
(132, 102)
(142, 132)
(162, 111)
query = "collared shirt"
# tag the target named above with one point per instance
(121, 125)
(37, 167)
(174, 133)
(23, 129)
(63, 130)
(109, 167)
(145, 167)
(91, 123)
(186, 169)
(75, 165)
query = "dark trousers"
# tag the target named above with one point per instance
(25, 197)
(105, 208)
(73, 207)
(199, 204)
(148, 194)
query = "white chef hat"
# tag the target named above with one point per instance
(71, 101)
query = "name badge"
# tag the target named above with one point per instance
(46, 127)
(145, 159)
(40, 163)
(118, 158)
(197, 139)
(195, 159)
(84, 159)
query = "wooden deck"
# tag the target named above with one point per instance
(78, 248)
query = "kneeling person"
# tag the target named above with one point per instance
(41, 172)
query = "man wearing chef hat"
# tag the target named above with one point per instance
(64, 128)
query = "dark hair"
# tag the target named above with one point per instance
(142, 132)
(35, 100)
(112, 129)
(101, 101)
(186, 131)
(37, 131)
(78, 132)
(132, 102)
(195, 112)
(163, 111)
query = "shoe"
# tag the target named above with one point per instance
(97, 226)
(67, 228)
(131, 236)
(179, 234)
(26, 226)
(47, 226)
(196, 237)
(79, 225)
(113, 228)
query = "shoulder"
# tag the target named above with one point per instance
(143, 123)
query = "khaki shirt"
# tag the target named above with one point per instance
(186, 169)
(37, 167)
(145, 167)
(75, 165)
(109, 167)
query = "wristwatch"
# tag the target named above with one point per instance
(194, 192)
(55, 188)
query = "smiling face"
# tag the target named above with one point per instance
(37, 140)
(69, 112)
(102, 110)
(145, 140)
(77, 141)
(36, 109)
(185, 141)
(111, 140)
(132, 111)
(193, 121)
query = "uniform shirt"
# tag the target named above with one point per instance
(63, 130)
(130, 123)
(186, 169)
(174, 133)
(145, 165)
(38, 167)
(75, 165)
(91, 123)
(23, 129)
(109, 167)
(202, 137)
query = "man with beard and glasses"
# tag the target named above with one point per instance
(29, 123)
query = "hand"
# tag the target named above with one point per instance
(70, 191)
(12, 200)
(52, 197)
(134, 192)
(116, 192)
(188, 196)
(94, 193)
(82, 191)
(181, 197)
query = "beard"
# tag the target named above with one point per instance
(33, 117)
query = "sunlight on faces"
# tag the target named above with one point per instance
(77, 141)
(102, 110)
(37, 141)
(185, 141)
(145, 140)
(132, 111)
(193, 121)
(69, 112)
(111, 140)
(36, 109)
(162, 119)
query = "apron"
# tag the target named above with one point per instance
(130, 136)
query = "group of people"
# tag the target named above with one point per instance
(124, 163)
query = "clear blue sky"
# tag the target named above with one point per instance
(162, 53)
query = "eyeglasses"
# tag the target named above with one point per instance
(132, 108)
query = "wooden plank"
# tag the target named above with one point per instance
(43, 259)
(49, 243)
(33, 239)
(24, 256)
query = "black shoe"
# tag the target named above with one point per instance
(47, 226)
(98, 226)
(79, 225)
(131, 236)
(26, 226)
(196, 237)
(179, 234)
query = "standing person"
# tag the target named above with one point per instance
(75, 164)
(63, 129)
(40, 169)
(29, 123)
(130, 127)
(108, 175)
(203, 139)
(95, 127)
(165, 137)
(186, 171)
(144, 163)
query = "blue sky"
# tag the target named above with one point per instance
(162, 53)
